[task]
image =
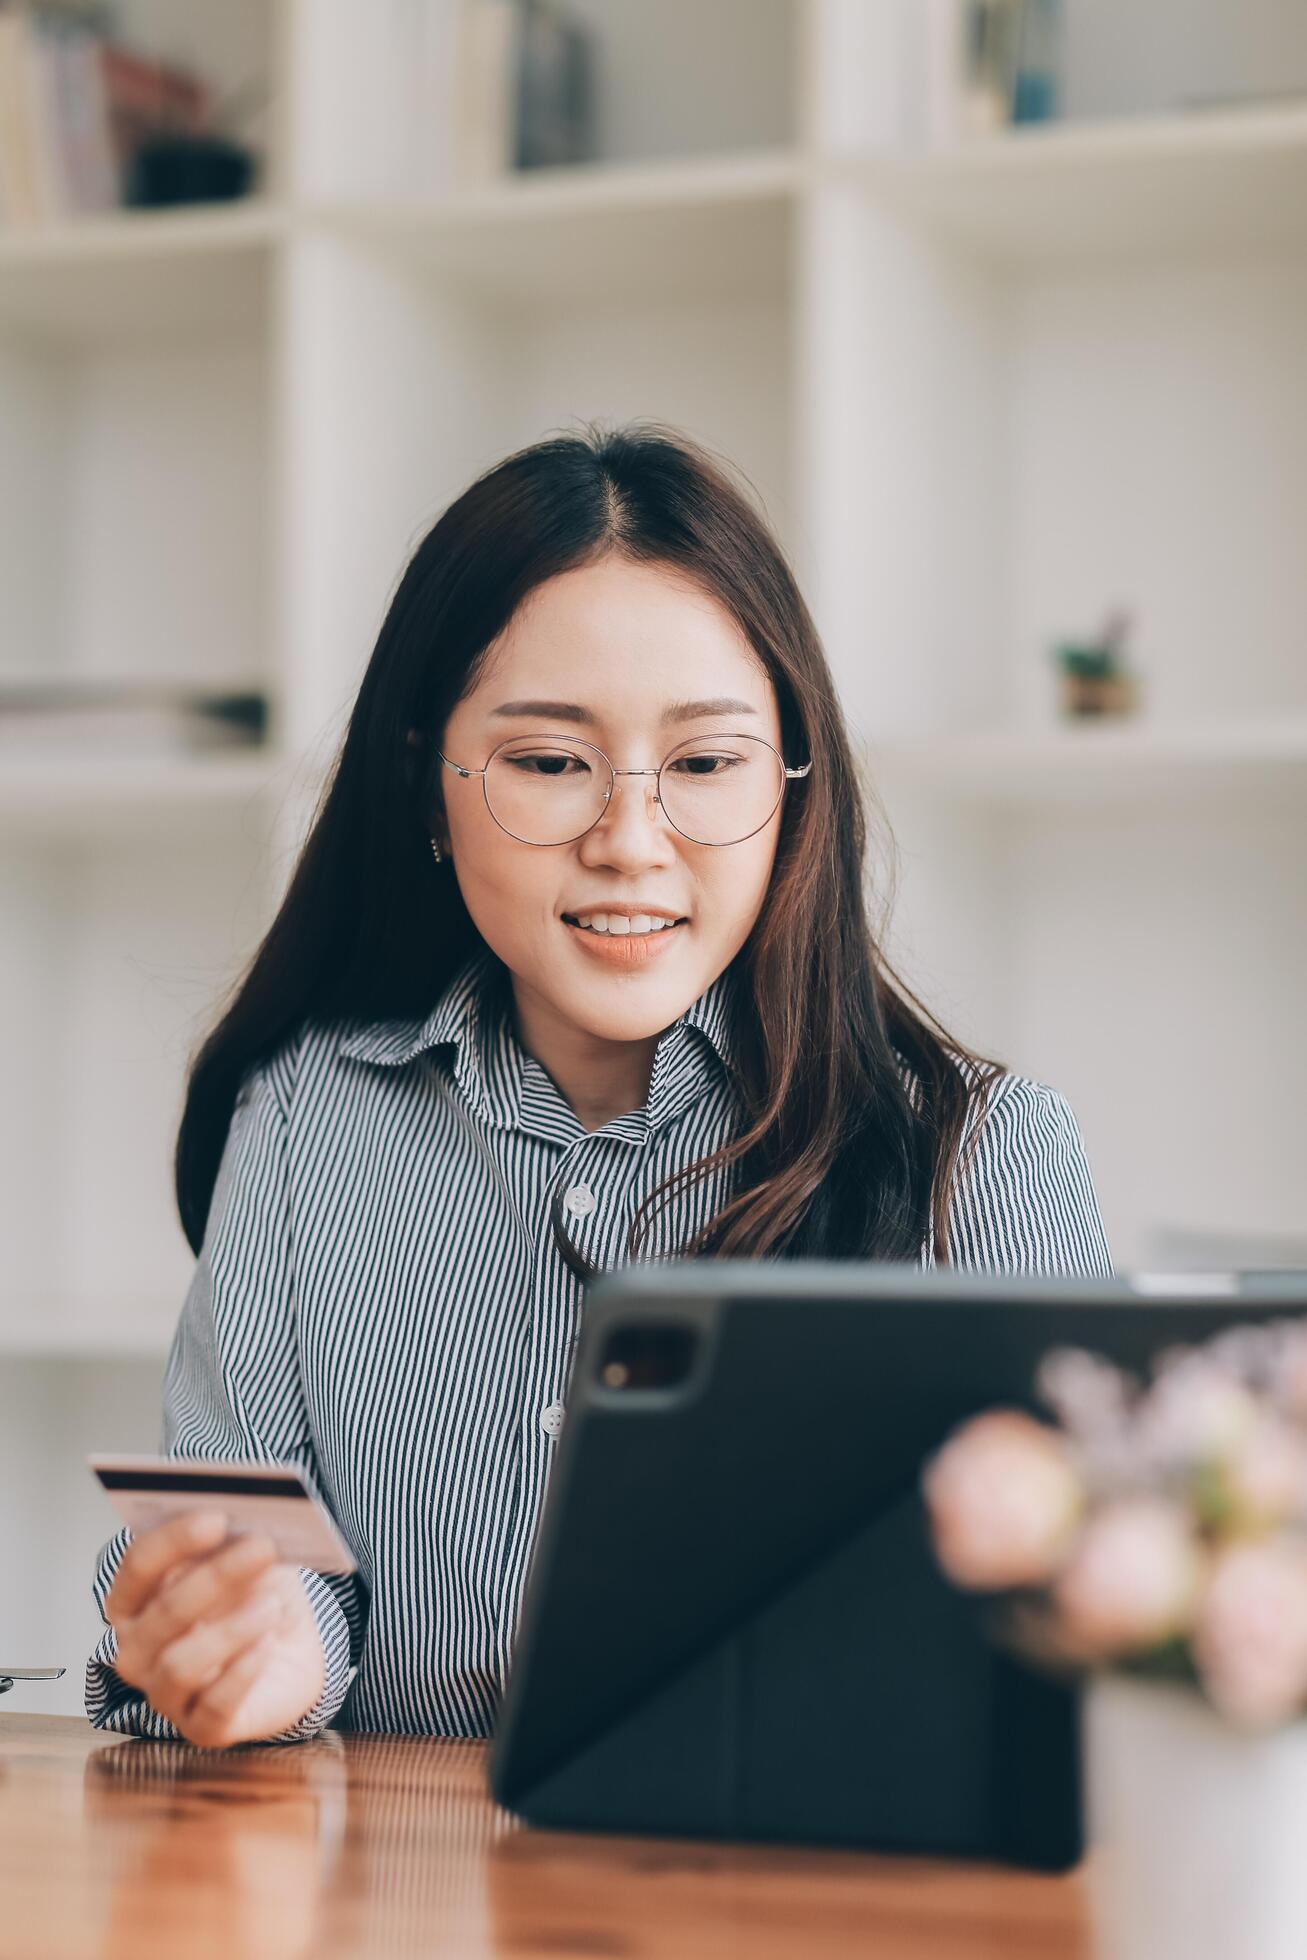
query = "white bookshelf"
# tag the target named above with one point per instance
(1104, 763)
(1215, 184)
(984, 393)
(81, 797)
(629, 233)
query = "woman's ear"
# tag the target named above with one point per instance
(416, 758)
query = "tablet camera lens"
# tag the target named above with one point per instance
(647, 1355)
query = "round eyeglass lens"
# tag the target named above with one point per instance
(544, 791)
(720, 789)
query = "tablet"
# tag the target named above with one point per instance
(734, 1626)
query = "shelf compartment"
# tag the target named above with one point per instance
(136, 461)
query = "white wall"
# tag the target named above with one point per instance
(1131, 57)
(54, 1517)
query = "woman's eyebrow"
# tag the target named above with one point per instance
(723, 704)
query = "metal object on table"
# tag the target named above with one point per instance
(8, 1675)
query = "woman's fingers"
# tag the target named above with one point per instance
(198, 1658)
(213, 1717)
(267, 1686)
(149, 1557)
(198, 1588)
(215, 1587)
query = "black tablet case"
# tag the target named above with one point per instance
(734, 1626)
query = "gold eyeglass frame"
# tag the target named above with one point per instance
(576, 741)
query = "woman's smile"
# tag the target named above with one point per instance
(622, 938)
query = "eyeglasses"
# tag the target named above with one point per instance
(715, 790)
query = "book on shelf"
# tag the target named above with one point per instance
(77, 107)
(989, 65)
(43, 720)
(555, 89)
(463, 92)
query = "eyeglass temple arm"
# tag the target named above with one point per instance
(799, 772)
(417, 740)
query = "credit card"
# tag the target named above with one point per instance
(272, 1499)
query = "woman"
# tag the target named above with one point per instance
(575, 968)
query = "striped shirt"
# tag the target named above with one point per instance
(380, 1299)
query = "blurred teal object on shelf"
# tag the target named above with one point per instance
(1035, 92)
(1011, 55)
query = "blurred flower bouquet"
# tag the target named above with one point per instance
(1153, 1536)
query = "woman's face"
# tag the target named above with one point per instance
(634, 660)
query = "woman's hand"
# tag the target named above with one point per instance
(219, 1636)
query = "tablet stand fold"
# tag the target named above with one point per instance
(806, 1723)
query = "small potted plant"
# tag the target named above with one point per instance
(1152, 1540)
(1095, 677)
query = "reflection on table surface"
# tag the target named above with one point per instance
(364, 1844)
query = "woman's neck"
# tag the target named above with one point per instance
(598, 1079)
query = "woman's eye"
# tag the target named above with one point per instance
(705, 765)
(546, 765)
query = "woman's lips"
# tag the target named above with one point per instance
(624, 948)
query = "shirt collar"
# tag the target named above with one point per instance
(472, 1015)
(704, 1034)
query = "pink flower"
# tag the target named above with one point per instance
(1264, 1480)
(1289, 1371)
(1195, 1412)
(1131, 1580)
(1003, 1498)
(1250, 1642)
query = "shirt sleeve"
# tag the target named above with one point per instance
(1026, 1203)
(232, 1389)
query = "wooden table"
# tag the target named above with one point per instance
(118, 1849)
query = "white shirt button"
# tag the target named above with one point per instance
(580, 1200)
(551, 1419)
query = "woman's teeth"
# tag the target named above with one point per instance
(618, 922)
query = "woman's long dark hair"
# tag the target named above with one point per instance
(835, 1158)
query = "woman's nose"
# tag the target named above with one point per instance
(633, 819)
